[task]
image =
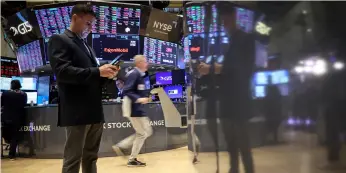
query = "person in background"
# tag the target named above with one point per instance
(80, 80)
(134, 91)
(273, 111)
(333, 100)
(236, 104)
(120, 86)
(13, 114)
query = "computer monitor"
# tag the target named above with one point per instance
(5, 83)
(174, 91)
(32, 96)
(109, 46)
(160, 52)
(181, 58)
(28, 83)
(262, 78)
(260, 92)
(29, 56)
(43, 90)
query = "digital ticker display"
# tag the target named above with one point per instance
(53, 20)
(115, 19)
(195, 18)
(160, 52)
(9, 67)
(110, 19)
(109, 46)
(29, 56)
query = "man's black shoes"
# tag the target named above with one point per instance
(135, 163)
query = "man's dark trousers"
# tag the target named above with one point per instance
(82, 144)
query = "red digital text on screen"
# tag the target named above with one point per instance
(195, 49)
(116, 50)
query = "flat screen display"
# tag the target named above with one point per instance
(178, 76)
(110, 18)
(279, 77)
(53, 20)
(260, 91)
(43, 90)
(5, 83)
(245, 19)
(160, 52)
(181, 58)
(196, 46)
(32, 97)
(29, 56)
(262, 78)
(22, 27)
(116, 19)
(163, 78)
(9, 67)
(186, 49)
(28, 83)
(174, 91)
(195, 18)
(108, 46)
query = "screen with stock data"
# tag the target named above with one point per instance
(53, 20)
(28, 83)
(195, 18)
(29, 56)
(9, 67)
(110, 19)
(109, 46)
(116, 19)
(160, 52)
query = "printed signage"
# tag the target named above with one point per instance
(21, 27)
(164, 26)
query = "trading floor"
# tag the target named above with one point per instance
(299, 154)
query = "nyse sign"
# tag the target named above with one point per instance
(22, 28)
(263, 28)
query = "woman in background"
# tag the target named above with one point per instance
(13, 114)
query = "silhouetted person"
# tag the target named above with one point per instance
(235, 95)
(272, 111)
(13, 115)
(334, 101)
